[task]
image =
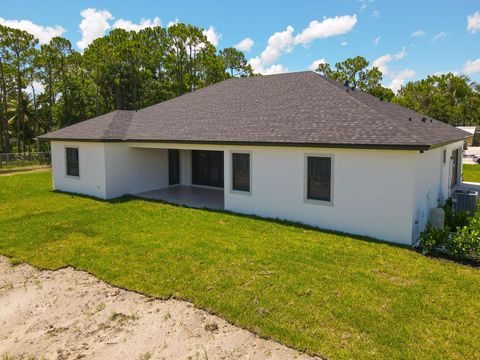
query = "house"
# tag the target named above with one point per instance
(471, 130)
(294, 146)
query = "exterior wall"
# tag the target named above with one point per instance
(432, 183)
(91, 164)
(385, 194)
(372, 190)
(134, 170)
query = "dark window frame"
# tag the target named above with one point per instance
(174, 167)
(235, 188)
(68, 162)
(308, 197)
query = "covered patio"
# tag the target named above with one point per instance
(192, 196)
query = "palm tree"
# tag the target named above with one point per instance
(29, 115)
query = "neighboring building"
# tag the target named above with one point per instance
(471, 130)
(293, 146)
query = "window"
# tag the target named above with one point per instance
(444, 156)
(241, 172)
(72, 162)
(455, 168)
(319, 177)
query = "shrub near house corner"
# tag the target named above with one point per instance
(459, 239)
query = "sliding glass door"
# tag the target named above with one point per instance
(173, 166)
(207, 168)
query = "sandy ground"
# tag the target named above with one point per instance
(69, 314)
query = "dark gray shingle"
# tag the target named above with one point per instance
(301, 108)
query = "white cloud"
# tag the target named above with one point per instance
(245, 45)
(473, 22)
(43, 33)
(365, 4)
(382, 62)
(376, 41)
(39, 88)
(93, 25)
(212, 36)
(399, 79)
(130, 26)
(328, 27)
(172, 22)
(284, 41)
(471, 67)
(439, 36)
(418, 33)
(275, 69)
(344, 43)
(376, 14)
(314, 65)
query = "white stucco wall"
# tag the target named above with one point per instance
(432, 183)
(134, 170)
(372, 190)
(91, 165)
(385, 194)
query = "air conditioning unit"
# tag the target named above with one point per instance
(465, 200)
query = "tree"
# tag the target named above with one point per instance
(356, 72)
(20, 47)
(235, 62)
(450, 98)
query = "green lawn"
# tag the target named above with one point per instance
(325, 293)
(471, 172)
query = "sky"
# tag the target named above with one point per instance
(408, 40)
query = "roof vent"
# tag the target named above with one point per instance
(424, 119)
(431, 120)
(347, 89)
(346, 83)
(409, 119)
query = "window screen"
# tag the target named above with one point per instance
(241, 172)
(319, 174)
(72, 162)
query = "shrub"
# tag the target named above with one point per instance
(454, 219)
(432, 238)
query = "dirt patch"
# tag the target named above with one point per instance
(22, 170)
(69, 314)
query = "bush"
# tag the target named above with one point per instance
(460, 239)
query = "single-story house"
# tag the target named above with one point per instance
(294, 146)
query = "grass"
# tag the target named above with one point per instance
(331, 294)
(471, 172)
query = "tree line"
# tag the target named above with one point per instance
(453, 99)
(128, 70)
(124, 70)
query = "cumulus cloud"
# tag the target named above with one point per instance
(344, 43)
(439, 36)
(382, 62)
(399, 78)
(376, 41)
(284, 41)
(275, 69)
(93, 25)
(314, 65)
(473, 22)
(43, 33)
(212, 36)
(471, 67)
(172, 22)
(130, 26)
(418, 33)
(328, 27)
(245, 45)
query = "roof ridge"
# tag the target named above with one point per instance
(394, 123)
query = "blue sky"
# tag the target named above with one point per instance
(407, 39)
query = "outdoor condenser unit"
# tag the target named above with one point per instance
(465, 200)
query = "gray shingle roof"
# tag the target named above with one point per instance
(301, 108)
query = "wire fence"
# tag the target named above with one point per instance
(12, 160)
